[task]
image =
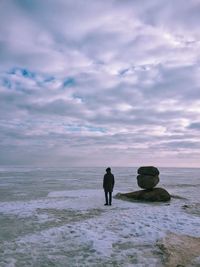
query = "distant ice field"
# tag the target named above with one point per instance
(57, 217)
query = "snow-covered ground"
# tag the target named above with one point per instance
(74, 228)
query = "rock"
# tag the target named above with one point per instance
(156, 194)
(147, 181)
(178, 197)
(179, 250)
(148, 170)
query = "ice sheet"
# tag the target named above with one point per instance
(86, 231)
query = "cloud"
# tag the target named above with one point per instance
(81, 82)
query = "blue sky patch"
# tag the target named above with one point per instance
(23, 71)
(124, 71)
(49, 79)
(96, 129)
(69, 82)
(6, 83)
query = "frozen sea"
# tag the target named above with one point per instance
(56, 217)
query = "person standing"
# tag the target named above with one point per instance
(108, 185)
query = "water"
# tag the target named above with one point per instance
(56, 217)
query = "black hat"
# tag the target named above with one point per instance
(108, 169)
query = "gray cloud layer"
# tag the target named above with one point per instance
(100, 82)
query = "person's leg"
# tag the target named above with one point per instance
(110, 198)
(106, 197)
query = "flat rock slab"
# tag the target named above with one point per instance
(154, 195)
(180, 250)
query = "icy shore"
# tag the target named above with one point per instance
(74, 227)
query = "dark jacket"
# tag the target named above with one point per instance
(108, 182)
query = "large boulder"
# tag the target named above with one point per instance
(156, 194)
(148, 170)
(147, 181)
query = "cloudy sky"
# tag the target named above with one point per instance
(98, 83)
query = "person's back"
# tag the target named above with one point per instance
(108, 185)
(108, 182)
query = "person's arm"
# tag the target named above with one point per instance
(104, 181)
(113, 181)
